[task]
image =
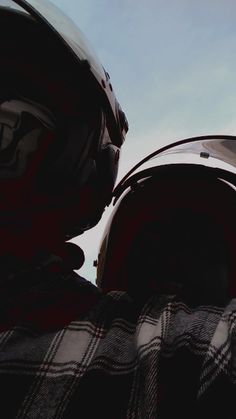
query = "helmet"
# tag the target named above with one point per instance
(173, 220)
(61, 126)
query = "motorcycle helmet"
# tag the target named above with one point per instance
(174, 222)
(61, 126)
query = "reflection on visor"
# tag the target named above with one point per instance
(22, 126)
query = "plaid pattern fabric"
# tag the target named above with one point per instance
(119, 360)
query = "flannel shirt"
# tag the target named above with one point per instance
(67, 351)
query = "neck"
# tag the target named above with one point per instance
(26, 242)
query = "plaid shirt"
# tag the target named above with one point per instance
(66, 351)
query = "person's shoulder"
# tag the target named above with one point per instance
(84, 284)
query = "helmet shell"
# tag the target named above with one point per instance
(62, 27)
(172, 181)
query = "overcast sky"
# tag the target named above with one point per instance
(172, 65)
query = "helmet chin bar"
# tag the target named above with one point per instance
(23, 125)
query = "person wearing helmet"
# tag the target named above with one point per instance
(170, 246)
(61, 130)
(65, 350)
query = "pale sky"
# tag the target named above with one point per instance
(172, 64)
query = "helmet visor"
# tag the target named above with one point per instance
(210, 150)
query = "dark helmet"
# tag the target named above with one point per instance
(174, 220)
(61, 127)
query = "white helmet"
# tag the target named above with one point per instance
(182, 202)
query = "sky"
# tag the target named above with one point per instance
(172, 65)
